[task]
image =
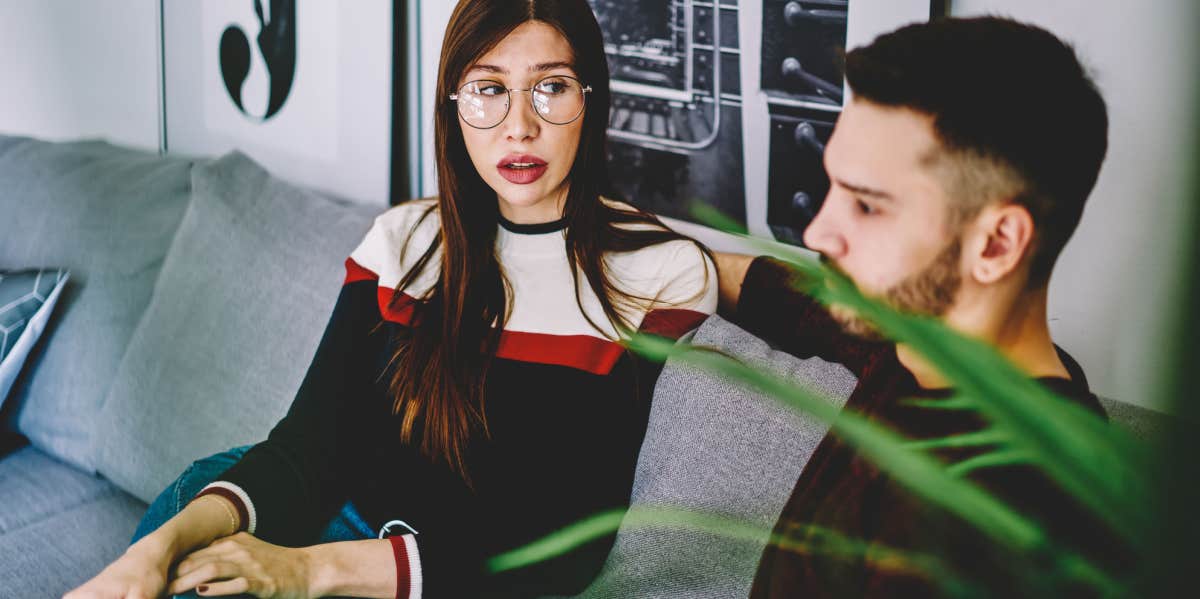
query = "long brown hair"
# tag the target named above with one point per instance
(440, 367)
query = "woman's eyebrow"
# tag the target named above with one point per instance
(537, 68)
(489, 68)
(550, 66)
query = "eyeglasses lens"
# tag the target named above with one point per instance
(557, 100)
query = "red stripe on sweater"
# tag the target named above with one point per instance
(591, 354)
(671, 323)
(402, 311)
(401, 553)
(356, 272)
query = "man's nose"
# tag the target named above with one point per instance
(822, 234)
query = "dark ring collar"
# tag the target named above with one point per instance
(533, 228)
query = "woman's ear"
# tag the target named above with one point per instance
(1004, 237)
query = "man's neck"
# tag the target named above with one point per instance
(1020, 333)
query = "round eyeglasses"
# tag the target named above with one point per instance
(557, 99)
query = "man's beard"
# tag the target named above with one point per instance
(929, 292)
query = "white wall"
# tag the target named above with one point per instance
(72, 69)
(431, 20)
(1108, 294)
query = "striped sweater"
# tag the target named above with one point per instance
(566, 409)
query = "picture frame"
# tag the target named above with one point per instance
(303, 88)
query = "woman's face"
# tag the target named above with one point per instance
(525, 159)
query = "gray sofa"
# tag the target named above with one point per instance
(198, 292)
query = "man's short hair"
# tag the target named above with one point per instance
(1017, 116)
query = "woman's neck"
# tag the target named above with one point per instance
(545, 210)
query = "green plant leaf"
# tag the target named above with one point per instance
(975, 439)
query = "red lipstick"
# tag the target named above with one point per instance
(521, 169)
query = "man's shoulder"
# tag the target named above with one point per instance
(1076, 388)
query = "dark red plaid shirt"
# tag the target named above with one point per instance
(842, 492)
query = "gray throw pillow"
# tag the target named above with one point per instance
(721, 449)
(27, 298)
(108, 215)
(237, 314)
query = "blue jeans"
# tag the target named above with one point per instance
(347, 525)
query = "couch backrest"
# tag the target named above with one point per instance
(238, 311)
(719, 449)
(107, 214)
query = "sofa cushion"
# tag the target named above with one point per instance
(1142, 423)
(719, 449)
(108, 215)
(238, 310)
(35, 486)
(27, 299)
(59, 526)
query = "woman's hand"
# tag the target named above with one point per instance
(141, 573)
(242, 563)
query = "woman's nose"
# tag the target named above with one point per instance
(521, 122)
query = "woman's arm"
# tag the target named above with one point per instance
(199, 523)
(244, 564)
(143, 569)
(355, 569)
(289, 485)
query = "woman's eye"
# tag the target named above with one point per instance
(491, 90)
(864, 208)
(553, 87)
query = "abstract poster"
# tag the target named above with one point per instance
(253, 62)
(303, 87)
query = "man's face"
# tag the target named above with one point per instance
(886, 221)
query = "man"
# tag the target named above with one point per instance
(959, 170)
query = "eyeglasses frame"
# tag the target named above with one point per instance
(584, 91)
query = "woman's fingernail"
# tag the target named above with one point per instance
(202, 588)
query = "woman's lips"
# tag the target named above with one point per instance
(521, 169)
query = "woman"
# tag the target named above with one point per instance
(470, 394)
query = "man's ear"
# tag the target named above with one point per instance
(1004, 236)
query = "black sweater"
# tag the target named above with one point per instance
(842, 491)
(566, 410)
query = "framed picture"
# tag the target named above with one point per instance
(304, 88)
(730, 103)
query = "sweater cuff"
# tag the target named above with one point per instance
(247, 518)
(408, 566)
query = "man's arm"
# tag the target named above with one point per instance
(760, 295)
(731, 271)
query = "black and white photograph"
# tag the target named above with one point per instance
(699, 116)
(675, 125)
(803, 49)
